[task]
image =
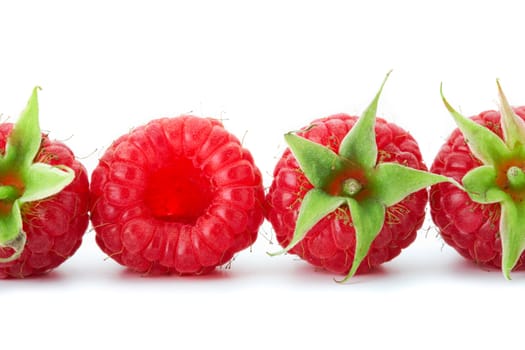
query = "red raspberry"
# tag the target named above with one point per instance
(330, 244)
(484, 220)
(53, 225)
(176, 195)
(350, 193)
(470, 228)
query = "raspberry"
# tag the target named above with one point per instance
(51, 192)
(176, 195)
(349, 193)
(330, 244)
(484, 220)
(470, 228)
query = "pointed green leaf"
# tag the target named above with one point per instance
(25, 138)
(368, 217)
(44, 180)
(10, 224)
(316, 205)
(484, 144)
(319, 163)
(480, 184)
(393, 182)
(512, 233)
(359, 144)
(512, 125)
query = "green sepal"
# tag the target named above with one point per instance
(484, 144)
(316, 205)
(360, 143)
(318, 163)
(480, 184)
(512, 234)
(513, 126)
(368, 217)
(11, 224)
(392, 182)
(25, 138)
(43, 180)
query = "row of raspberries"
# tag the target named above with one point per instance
(182, 195)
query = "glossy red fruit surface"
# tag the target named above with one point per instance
(470, 228)
(330, 244)
(54, 226)
(176, 195)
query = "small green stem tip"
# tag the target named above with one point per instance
(351, 187)
(516, 177)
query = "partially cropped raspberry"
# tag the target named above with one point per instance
(45, 198)
(176, 195)
(485, 222)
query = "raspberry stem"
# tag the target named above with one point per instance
(516, 178)
(351, 187)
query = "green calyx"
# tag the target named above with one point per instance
(352, 177)
(22, 180)
(501, 178)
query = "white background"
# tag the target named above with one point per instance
(264, 68)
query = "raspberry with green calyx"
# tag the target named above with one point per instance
(41, 223)
(343, 182)
(487, 154)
